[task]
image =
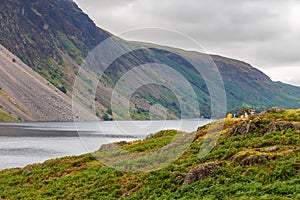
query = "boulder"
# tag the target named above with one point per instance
(201, 172)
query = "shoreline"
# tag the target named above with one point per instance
(12, 131)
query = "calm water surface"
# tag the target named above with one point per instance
(26, 143)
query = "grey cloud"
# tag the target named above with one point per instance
(265, 33)
(219, 20)
(211, 20)
(103, 4)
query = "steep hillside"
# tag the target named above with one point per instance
(257, 158)
(245, 85)
(54, 36)
(27, 95)
(44, 33)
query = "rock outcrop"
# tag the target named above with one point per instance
(201, 172)
(279, 126)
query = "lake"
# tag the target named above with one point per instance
(34, 142)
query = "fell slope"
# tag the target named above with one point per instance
(245, 85)
(29, 96)
(256, 158)
(54, 36)
(44, 33)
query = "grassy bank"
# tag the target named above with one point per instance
(257, 158)
(7, 117)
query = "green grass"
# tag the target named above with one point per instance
(8, 117)
(274, 176)
(70, 47)
(154, 142)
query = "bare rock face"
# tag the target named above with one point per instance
(201, 172)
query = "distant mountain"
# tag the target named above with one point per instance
(54, 36)
(245, 85)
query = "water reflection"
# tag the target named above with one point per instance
(31, 142)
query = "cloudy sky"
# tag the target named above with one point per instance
(264, 33)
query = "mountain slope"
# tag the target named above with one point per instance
(257, 163)
(27, 95)
(245, 85)
(53, 38)
(44, 33)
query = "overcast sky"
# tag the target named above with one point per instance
(264, 33)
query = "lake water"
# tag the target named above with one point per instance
(33, 142)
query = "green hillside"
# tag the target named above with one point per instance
(54, 37)
(257, 158)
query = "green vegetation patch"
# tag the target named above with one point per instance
(8, 117)
(262, 162)
(153, 142)
(69, 46)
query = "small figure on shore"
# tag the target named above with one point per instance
(235, 115)
(229, 116)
